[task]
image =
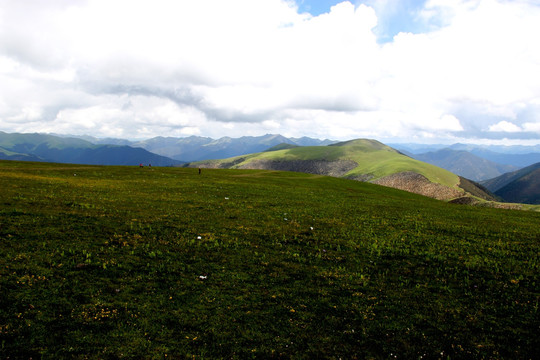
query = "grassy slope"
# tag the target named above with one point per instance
(372, 157)
(104, 262)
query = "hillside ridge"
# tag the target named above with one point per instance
(359, 159)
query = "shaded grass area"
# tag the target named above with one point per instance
(109, 262)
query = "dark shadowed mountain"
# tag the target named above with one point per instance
(522, 186)
(465, 164)
(517, 186)
(40, 147)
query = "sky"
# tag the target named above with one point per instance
(425, 71)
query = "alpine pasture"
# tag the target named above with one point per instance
(129, 262)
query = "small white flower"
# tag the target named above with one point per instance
(202, 277)
(311, 227)
(199, 238)
(226, 198)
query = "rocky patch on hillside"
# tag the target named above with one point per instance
(336, 168)
(418, 184)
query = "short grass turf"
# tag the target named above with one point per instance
(124, 262)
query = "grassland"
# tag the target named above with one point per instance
(123, 262)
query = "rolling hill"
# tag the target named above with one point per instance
(521, 186)
(362, 159)
(50, 148)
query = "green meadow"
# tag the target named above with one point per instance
(157, 263)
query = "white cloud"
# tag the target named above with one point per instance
(532, 127)
(505, 126)
(212, 67)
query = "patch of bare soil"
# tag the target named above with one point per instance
(418, 184)
(336, 168)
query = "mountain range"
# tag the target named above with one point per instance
(49, 148)
(195, 148)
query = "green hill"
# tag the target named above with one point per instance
(363, 159)
(109, 262)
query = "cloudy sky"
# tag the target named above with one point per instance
(430, 71)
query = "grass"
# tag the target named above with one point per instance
(111, 262)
